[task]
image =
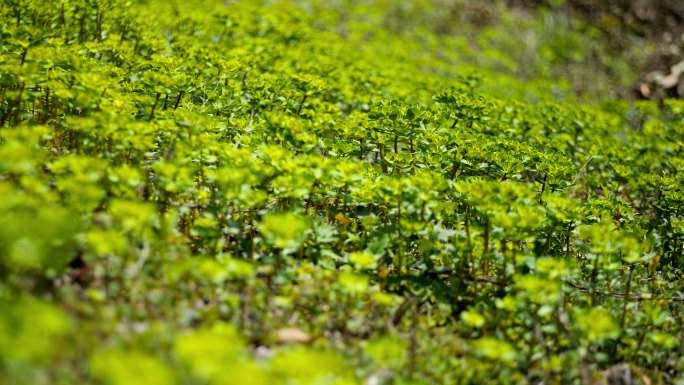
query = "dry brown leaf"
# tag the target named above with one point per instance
(292, 336)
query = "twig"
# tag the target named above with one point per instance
(154, 106)
(403, 308)
(142, 258)
(582, 168)
(639, 298)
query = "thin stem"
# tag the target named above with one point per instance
(541, 193)
(628, 286)
(154, 106)
(178, 100)
(23, 55)
(485, 251)
(301, 104)
(594, 274)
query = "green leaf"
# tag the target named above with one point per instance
(286, 231)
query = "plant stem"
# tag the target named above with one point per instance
(485, 250)
(154, 106)
(628, 286)
(301, 104)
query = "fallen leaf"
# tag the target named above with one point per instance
(292, 336)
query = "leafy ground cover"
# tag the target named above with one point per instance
(300, 193)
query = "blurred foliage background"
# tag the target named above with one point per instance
(600, 49)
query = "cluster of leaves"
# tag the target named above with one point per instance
(206, 193)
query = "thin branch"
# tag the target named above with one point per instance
(639, 298)
(582, 168)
